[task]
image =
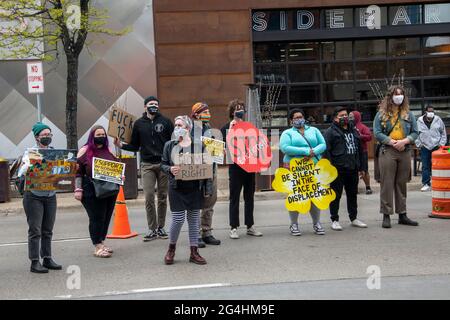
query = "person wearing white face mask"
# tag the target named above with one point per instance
(395, 128)
(432, 135)
(186, 198)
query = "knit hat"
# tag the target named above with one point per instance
(151, 98)
(38, 127)
(199, 108)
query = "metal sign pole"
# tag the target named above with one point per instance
(39, 107)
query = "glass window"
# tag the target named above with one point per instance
(271, 73)
(370, 70)
(361, 17)
(369, 90)
(436, 66)
(336, 50)
(368, 111)
(413, 88)
(304, 51)
(338, 92)
(405, 68)
(404, 47)
(304, 73)
(337, 71)
(437, 13)
(436, 45)
(275, 94)
(370, 48)
(402, 15)
(416, 107)
(437, 87)
(279, 118)
(270, 52)
(339, 18)
(304, 94)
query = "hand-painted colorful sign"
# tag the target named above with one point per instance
(106, 170)
(215, 148)
(51, 170)
(249, 147)
(306, 183)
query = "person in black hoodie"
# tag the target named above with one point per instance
(150, 134)
(344, 150)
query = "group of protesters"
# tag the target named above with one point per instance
(162, 143)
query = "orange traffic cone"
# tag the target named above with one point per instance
(121, 229)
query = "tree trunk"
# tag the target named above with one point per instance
(72, 102)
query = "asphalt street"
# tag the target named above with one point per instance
(413, 262)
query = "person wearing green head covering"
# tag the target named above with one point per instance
(40, 209)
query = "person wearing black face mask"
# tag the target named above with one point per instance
(99, 210)
(150, 134)
(40, 209)
(344, 150)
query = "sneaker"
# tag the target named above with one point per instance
(336, 226)
(295, 231)
(211, 240)
(252, 232)
(359, 224)
(162, 233)
(425, 188)
(318, 229)
(369, 191)
(234, 234)
(150, 235)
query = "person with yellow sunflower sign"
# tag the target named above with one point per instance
(305, 177)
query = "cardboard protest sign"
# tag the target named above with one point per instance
(51, 170)
(106, 170)
(305, 183)
(249, 147)
(190, 172)
(215, 148)
(120, 124)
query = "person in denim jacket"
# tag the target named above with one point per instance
(395, 128)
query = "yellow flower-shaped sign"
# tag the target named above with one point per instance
(306, 182)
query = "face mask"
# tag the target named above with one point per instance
(179, 132)
(239, 114)
(99, 140)
(205, 117)
(343, 121)
(430, 115)
(45, 141)
(298, 123)
(153, 110)
(398, 100)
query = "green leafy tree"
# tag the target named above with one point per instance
(44, 28)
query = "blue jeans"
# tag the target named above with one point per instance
(425, 157)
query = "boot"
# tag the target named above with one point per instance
(37, 267)
(403, 219)
(211, 240)
(386, 221)
(196, 257)
(50, 264)
(170, 255)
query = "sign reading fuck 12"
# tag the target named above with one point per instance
(35, 77)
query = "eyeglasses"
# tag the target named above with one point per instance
(153, 105)
(46, 135)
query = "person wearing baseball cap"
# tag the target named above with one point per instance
(201, 117)
(150, 134)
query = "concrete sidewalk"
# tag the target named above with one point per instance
(66, 201)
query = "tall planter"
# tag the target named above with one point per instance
(130, 187)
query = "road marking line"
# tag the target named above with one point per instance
(14, 244)
(137, 291)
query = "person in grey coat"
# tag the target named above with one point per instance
(432, 135)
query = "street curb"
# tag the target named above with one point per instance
(140, 202)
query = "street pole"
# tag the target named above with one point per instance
(39, 107)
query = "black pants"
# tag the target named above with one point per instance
(100, 212)
(41, 214)
(347, 179)
(240, 178)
